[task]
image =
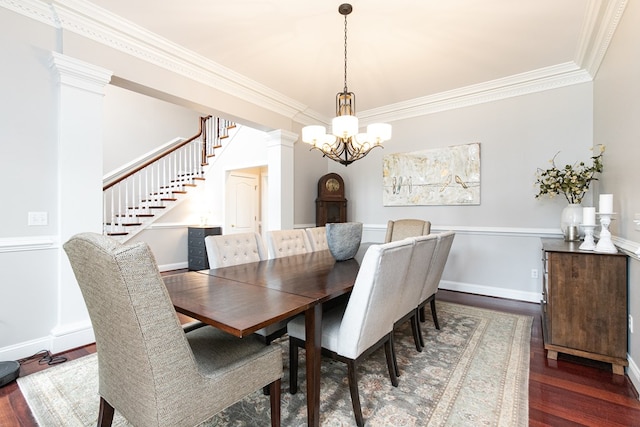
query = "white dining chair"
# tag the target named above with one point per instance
(351, 332)
(440, 256)
(233, 249)
(411, 289)
(318, 238)
(288, 242)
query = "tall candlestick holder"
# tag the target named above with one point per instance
(605, 244)
(589, 244)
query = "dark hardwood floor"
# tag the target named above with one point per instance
(566, 392)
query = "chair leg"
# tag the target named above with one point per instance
(392, 366)
(415, 329)
(434, 314)
(105, 414)
(422, 316)
(274, 399)
(394, 359)
(293, 367)
(353, 389)
(420, 336)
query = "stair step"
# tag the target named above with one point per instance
(120, 233)
(147, 207)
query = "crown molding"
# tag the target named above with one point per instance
(599, 25)
(90, 21)
(553, 77)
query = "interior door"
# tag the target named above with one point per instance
(241, 203)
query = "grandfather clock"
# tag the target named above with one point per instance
(331, 206)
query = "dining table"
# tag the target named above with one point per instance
(243, 298)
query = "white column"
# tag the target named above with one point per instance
(79, 126)
(280, 163)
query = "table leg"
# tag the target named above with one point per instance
(313, 344)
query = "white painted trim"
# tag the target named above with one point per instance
(633, 372)
(174, 266)
(17, 244)
(71, 335)
(491, 291)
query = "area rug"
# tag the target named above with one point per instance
(474, 371)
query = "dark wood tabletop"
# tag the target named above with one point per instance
(237, 308)
(314, 275)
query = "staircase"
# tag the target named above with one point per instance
(140, 195)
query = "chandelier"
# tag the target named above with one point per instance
(345, 144)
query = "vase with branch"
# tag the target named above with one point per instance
(573, 182)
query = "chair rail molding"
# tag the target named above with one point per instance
(28, 243)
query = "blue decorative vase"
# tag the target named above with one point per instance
(343, 239)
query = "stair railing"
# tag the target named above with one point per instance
(139, 194)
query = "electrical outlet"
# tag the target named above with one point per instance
(37, 218)
(630, 323)
(534, 273)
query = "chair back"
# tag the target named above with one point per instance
(440, 256)
(233, 249)
(143, 354)
(403, 228)
(318, 238)
(288, 242)
(411, 289)
(369, 314)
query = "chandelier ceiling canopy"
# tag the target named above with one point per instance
(346, 144)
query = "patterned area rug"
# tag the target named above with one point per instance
(474, 371)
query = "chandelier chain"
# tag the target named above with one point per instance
(345, 54)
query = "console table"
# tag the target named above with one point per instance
(195, 244)
(584, 303)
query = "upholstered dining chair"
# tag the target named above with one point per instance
(410, 290)
(352, 332)
(233, 249)
(150, 370)
(288, 242)
(318, 238)
(440, 256)
(403, 228)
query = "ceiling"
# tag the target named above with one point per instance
(397, 50)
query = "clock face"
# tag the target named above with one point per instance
(332, 185)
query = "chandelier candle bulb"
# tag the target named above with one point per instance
(589, 216)
(606, 204)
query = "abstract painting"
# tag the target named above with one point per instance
(441, 176)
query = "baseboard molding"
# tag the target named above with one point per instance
(633, 373)
(71, 336)
(491, 291)
(174, 266)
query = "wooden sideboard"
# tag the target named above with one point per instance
(584, 303)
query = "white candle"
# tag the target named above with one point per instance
(606, 203)
(589, 216)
